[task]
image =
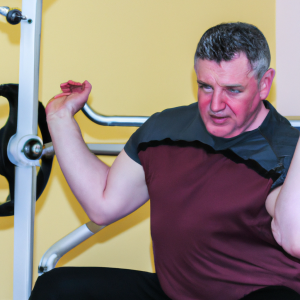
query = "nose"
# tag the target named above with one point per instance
(217, 102)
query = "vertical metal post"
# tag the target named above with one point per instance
(25, 177)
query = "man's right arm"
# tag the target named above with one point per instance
(105, 193)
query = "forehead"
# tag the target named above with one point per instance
(236, 71)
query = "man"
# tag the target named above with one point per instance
(224, 212)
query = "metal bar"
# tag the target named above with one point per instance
(133, 121)
(295, 123)
(25, 177)
(4, 10)
(60, 248)
(23, 231)
(97, 149)
(106, 149)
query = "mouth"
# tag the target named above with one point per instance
(219, 120)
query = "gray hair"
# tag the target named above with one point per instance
(225, 40)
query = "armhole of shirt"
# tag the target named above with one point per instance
(142, 134)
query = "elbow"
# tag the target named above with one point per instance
(97, 212)
(293, 248)
(103, 212)
(98, 219)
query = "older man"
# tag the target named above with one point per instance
(224, 211)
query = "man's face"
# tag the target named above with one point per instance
(228, 96)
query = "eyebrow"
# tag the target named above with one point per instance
(228, 85)
(201, 82)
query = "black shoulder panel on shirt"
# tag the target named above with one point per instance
(271, 146)
(170, 123)
(283, 138)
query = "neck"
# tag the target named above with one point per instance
(259, 117)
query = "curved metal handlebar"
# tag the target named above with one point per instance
(60, 248)
(113, 120)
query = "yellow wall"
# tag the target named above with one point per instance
(138, 55)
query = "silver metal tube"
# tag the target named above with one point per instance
(48, 150)
(97, 149)
(133, 121)
(106, 149)
(25, 177)
(70, 241)
(295, 123)
(4, 10)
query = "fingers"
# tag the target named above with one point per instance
(87, 86)
(70, 87)
(73, 86)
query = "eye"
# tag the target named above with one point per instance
(234, 91)
(206, 88)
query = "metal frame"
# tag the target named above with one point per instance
(25, 176)
(25, 171)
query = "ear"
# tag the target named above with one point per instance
(266, 83)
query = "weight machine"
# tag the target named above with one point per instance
(21, 150)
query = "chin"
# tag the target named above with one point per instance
(219, 131)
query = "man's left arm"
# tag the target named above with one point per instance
(283, 204)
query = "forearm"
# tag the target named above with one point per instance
(84, 172)
(286, 221)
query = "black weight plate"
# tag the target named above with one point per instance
(7, 169)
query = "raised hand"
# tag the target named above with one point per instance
(73, 97)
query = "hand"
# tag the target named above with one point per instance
(73, 98)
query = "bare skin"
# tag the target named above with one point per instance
(229, 98)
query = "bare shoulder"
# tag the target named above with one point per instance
(271, 201)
